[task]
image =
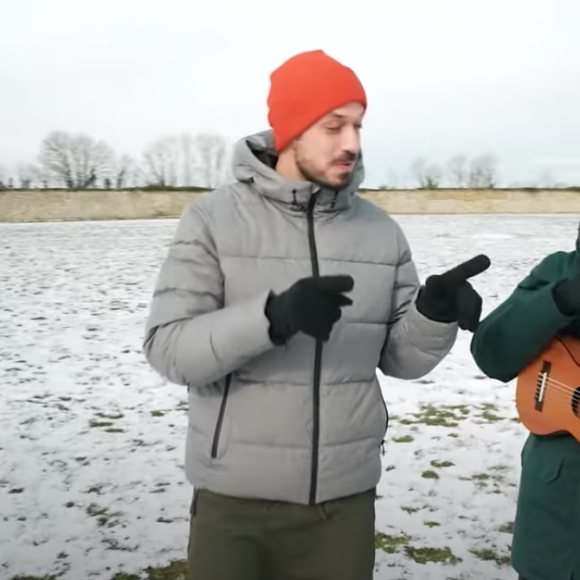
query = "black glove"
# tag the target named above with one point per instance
(449, 297)
(310, 305)
(567, 296)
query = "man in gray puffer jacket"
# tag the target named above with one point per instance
(281, 295)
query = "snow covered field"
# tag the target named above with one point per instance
(91, 440)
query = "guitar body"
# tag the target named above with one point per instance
(548, 390)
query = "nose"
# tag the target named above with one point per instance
(351, 139)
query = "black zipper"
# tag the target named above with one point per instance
(220, 418)
(317, 361)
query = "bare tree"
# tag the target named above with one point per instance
(75, 160)
(42, 176)
(457, 171)
(482, 173)
(160, 161)
(186, 144)
(29, 176)
(211, 152)
(183, 160)
(170, 161)
(125, 172)
(3, 177)
(428, 176)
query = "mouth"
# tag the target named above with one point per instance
(345, 165)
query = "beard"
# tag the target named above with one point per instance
(342, 181)
(317, 177)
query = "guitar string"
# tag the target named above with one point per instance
(561, 388)
(564, 386)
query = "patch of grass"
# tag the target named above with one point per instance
(111, 416)
(507, 528)
(424, 555)
(94, 424)
(407, 422)
(106, 421)
(157, 413)
(429, 474)
(496, 478)
(96, 489)
(411, 510)
(403, 439)
(489, 413)
(104, 517)
(116, 546)
(491, 556)
(123, 576)
(175, 570)
(432, 524)
(446, 416)
(390, 544)
(114, 430)
(442, 463)
(491, 417)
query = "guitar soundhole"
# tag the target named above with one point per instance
(576, 402)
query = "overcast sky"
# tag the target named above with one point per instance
(443, 76)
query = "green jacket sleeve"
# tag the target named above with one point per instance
(517, 331)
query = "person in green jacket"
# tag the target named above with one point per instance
(546, 304)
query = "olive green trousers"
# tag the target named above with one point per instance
(241, 539)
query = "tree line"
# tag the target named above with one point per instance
(78, 161)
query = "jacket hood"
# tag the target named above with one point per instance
(254, 159)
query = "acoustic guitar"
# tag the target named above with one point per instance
(548, 390)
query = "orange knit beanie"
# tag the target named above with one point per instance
(306, 87)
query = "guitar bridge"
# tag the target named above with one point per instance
(541, 385)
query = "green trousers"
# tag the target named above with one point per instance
(239, 539)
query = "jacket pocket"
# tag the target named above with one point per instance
(550, 471)
(220, 419)
(542, 459)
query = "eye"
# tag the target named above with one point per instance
(333, 129)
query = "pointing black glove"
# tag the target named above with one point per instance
(310, 305)
(449, 297)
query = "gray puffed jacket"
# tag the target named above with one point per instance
(291, 423)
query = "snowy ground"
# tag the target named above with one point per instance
(91, 440)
